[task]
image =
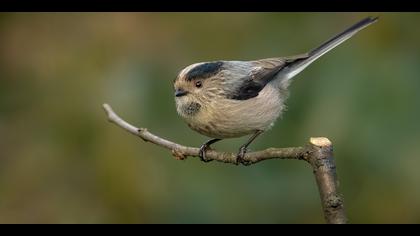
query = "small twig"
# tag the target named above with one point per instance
(318, 153)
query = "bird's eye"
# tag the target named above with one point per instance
(198, 84)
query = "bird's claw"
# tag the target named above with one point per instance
(202, 153)
(240, 156)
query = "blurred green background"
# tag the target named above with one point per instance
(62, 162)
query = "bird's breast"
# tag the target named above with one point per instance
(228, 118)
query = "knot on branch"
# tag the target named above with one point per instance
(334, 201)
(178, 155)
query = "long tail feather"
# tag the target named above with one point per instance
(299, 65)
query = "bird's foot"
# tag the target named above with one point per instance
(205, 147)
(240, 156)
(202, 153)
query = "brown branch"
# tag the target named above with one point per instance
(322, 161)
(318, 153)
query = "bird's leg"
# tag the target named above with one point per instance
(205, 147)
(242, 150)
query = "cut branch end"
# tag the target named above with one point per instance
(320, 141)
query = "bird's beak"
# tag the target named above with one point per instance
(180, 93)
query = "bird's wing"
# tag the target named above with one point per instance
(261, 73)
(265, 70)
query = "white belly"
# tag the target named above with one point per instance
(230, 118)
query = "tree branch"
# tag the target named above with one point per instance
(318, 153)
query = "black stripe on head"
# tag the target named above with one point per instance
(204, 71)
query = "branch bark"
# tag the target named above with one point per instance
(318, 153)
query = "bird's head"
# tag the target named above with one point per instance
(196, 85)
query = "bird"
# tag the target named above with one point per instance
(231, 98)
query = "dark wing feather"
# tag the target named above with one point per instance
(264, 71)
(248, 89)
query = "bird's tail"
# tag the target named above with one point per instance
(298, 65)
